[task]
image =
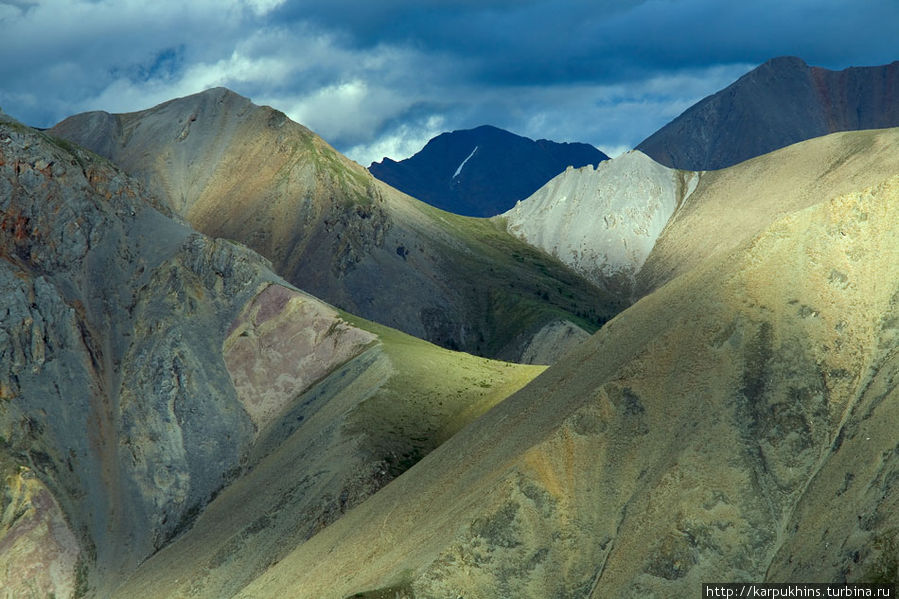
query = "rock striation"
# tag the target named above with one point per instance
(483, 171)
(145, 368)
(781, 102)
(248, 173)
(603, 222)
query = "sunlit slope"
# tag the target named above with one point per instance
(380, 413)
(733, 205)
(248, 173)
(735, 425)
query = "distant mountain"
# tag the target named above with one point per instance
(781, 102)
(248, 173)
(482, 171)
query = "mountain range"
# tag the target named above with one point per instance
(181, 416)
(482, 171)
(248, 173)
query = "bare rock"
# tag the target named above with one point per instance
(604, 222)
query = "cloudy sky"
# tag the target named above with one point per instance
(379, 78)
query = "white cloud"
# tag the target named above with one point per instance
(348, 110)
(400, 143)
(261, 7)
(368, 101)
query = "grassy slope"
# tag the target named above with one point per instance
(732, 205)
(745, 401)
(381, 412)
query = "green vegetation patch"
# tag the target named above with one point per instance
(432, 394)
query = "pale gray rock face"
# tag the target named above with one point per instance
(603, 222)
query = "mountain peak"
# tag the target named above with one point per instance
(214, 93)
(781, 102)
(482, 171)
(785, 61)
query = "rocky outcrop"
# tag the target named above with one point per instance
(248, 173)
(39, 554)
(781, 102)
(280, 345)
(145, 367)
(482, 171)
(552, 341)
(603, 222)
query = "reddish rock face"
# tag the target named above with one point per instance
(858, 97)
(281, 344)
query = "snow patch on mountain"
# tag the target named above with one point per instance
(603, 222)
(459, 170)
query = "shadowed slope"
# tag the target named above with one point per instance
(781, 102)
(248, 173)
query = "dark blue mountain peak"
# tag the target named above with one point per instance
(482, 171)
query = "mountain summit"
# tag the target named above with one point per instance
(781, 102)
(482, 171)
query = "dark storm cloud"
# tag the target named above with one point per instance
(546, 41)
(380, 78)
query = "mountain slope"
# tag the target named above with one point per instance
(734, 425)
(144, 368)
(781, 102)
(730, 206)
(604, 222)
(482, 171)
(631, 225)
(243, 172)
